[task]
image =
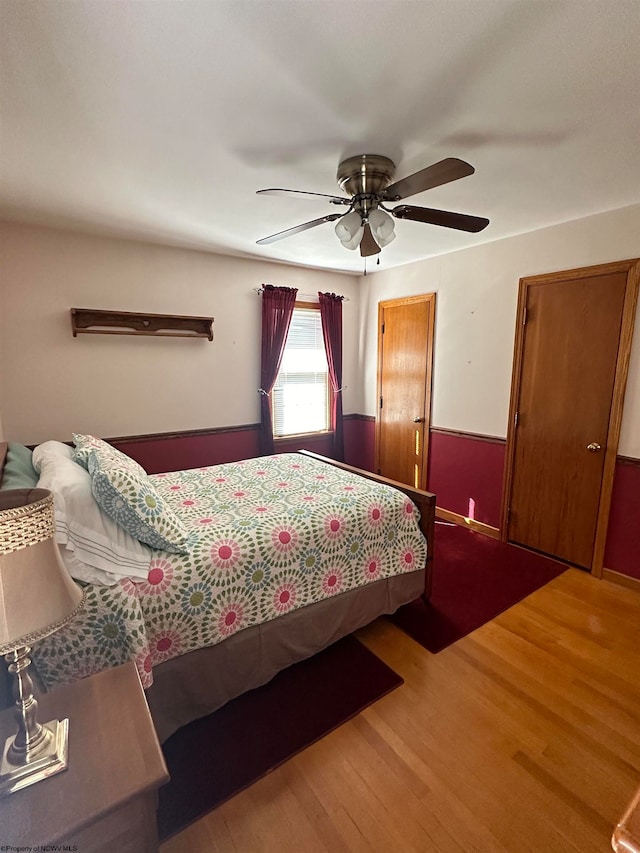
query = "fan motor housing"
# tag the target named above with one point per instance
(365, 174)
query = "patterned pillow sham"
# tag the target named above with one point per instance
(86, 444)
(93, 547)
(125, 493)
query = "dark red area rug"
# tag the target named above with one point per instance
(475, 578)
(214, 758)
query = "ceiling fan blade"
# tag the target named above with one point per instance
(368, 245)
(298, 228)
(445, 218)
(440, 173)
(333, 199)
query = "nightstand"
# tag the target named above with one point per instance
(106, 800)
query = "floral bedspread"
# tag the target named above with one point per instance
(266, 536)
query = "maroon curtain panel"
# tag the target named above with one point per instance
(331, 316)
(277, 310)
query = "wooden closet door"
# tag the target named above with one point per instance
(560, 434)
(405, 347)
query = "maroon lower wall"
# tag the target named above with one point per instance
(465, 472)
(360, 441)
(622, 552)
(181, 451)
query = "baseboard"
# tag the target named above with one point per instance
(620, 579)
(472, 524)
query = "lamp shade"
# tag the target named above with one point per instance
(350, 229)
(37, 595)
(381, 225)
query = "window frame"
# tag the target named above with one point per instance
(317, 434)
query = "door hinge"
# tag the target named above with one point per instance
(383, 328)
(525, 315)
(508, 515)
(516, 418)
(380, 402)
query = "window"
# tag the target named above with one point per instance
(300, 398)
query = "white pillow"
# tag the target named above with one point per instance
(94, 548)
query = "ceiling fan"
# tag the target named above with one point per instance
(368, 223)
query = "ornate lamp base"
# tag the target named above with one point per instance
(51, 758)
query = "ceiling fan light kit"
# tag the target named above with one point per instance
(368, 224)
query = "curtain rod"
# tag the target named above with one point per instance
(301, 296)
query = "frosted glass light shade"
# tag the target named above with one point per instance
(349, 230)
(381, 225)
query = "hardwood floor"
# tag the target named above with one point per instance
(522, 737)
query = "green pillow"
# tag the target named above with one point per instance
(18, 472)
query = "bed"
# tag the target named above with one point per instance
(282, 557)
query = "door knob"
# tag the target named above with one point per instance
(593, 447)
(418, 420)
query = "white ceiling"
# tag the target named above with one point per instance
(160, 120)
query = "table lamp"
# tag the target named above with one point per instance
(37, 597)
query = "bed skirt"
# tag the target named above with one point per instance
(199, 682)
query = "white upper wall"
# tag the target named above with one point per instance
(53, 384)
(477, 294)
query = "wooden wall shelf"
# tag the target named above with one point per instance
(89, 321)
